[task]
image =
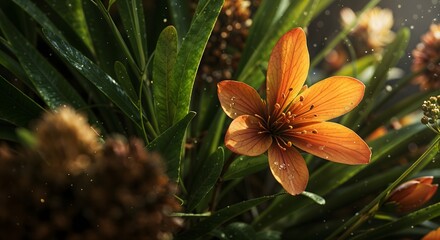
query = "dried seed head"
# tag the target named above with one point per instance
(426, 59)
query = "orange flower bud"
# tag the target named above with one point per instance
(413, 194)
(433, 235)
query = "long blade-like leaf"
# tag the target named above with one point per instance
(106, 84)
(220, 217)
(206, 178)
(190, 54)
(49, 83)
(164, 62)
(15, 106)
(170, 145)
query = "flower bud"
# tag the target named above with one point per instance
(413, 194)
(433, 235)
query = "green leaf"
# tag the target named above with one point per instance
(245, 165)
(170, 145)
(106, 84)
(205, 178)
(107, 51)
(8, 131)
(125, 81)
(239, 230)
(269, 235)
(354, 68)
(71, 11)
(163, 64)
(110, 3)
(39, 16)
(221, 216)
(315, 197)
(16, 107)
(48, 82)
(132, 15)
(402, 223)
(189, 56)
(181, 17)
(15, 68)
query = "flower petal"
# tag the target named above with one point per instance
(243, 137)
(289, 169)
(331, 141)
(328, 99)
(287, 68)
(238, 99)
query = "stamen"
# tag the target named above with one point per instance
(279, 145)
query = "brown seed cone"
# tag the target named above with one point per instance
(426, 58)
(122, 193)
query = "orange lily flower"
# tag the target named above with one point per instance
(293, 116)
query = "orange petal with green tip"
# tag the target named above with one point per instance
(237, 98)
(328, 99)
(287, 68)
(289, 169)
(243, 137)
(331, 141)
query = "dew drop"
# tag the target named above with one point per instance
(282, 166)
(275, 163)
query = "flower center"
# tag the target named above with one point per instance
(280, 123)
